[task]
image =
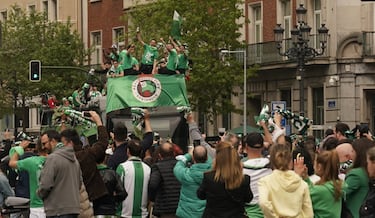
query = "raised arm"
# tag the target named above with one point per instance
(148, 137)
(195, 134)
(99, 147)
(139, 38)
(174, 44)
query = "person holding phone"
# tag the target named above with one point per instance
(190, 178)
(33, 165)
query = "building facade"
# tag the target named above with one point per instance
(107, 26)
(338, 85)
(56, 10)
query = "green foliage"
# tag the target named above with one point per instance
(28, 37)
(208, 26)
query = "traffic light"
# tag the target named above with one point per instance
(35, 71)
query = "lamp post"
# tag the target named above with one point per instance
(224, 51)
(300, 51)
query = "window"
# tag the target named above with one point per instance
(118, 36)
(96, 38)
(317, 20)
(258, 23)
(256, 29)
(255, 26)
(45, 7)
(287, 18)
(4, 15)
(286, 95)
(31, 9)
(96, 43)
(54, 10)
(318, 110)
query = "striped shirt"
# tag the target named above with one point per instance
(135, 176)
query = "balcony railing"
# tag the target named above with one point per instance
(266, 52)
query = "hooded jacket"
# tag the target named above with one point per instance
(191, 178)
(284, 194)
(256, 168)
(60, 182)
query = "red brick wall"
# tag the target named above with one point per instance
(105, 15)
(269, 20)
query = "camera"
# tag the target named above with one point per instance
(86, 114)
(196, 143)
(156, 136)
(32, 145)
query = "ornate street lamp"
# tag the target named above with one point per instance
(300, 51)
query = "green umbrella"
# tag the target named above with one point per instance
(249, 129)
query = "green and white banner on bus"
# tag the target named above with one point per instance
(146, 91)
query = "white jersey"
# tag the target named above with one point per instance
(135, 176)
(256, 168)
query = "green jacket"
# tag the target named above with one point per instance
(323, 200)
(190, 206)
(356, 189)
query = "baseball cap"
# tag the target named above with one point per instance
(254, 140)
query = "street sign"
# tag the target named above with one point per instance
(279, 105)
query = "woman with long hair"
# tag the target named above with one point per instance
(367, 209)
(326, 194)
(357, 179)
(225, 187)
(283, 193)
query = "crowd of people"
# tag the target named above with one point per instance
(258, 175)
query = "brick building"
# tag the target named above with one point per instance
(106, 26)
(338, 85)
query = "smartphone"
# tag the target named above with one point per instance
(196, 142)
(86, 114)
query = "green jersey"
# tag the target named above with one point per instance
(125, 59)
(33, 165)
(172, 60)
(183, 62)
(150, 53)
(134, 61)
(76, 101)
(115, 70)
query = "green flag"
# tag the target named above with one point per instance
(146, 91)
(176, 26)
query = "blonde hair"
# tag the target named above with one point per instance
(228, 166)
(280, 156)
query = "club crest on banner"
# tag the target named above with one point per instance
(146, 89)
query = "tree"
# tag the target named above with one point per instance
(208, 26)
(31, 36)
